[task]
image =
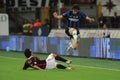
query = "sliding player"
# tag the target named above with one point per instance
(48, 63)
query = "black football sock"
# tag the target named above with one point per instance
(59, 66)
(60, 58)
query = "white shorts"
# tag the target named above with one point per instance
(50, 62)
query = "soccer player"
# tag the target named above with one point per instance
(73, 23)
(39, 64)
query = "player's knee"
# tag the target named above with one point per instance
(71, 30)
(75, 47)
(52, 54)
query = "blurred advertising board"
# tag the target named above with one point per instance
(88, 47)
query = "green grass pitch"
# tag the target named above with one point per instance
(11, 64)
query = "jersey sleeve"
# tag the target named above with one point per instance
(29, 63)
(83, 15)
(66, 14)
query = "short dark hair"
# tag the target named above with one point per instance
(27, 53)
(76, 7)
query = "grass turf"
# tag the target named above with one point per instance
(11, 64)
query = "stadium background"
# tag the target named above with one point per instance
(90, 61)
(14, 12)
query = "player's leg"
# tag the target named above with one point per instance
(60, 66)
(74, 38)
(74, 43)
(59, 58)
(51, 63)
(75, 34)
(53, 56)
(71, 37)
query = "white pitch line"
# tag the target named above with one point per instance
(11, 58)
(72, 64)
(97, 67)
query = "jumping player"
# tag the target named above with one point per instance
(49, 63)
(73, 23)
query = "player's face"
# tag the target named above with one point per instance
(75, 11)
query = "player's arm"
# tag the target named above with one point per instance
(25, 66)
(57, 16)
(90, 19)
(33, 64)
(36, 67)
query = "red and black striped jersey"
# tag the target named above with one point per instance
(31, 61)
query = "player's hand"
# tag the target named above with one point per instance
(57, 16)
(91, 20)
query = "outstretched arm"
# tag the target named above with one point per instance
(90, 19)
(36, 67)
(57, 16)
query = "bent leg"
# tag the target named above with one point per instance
(50, 62)
(59, 66)
(74, 41)
(59, 58)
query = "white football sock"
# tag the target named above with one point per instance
(75, 35)
(70, 45)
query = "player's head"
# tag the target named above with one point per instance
(27, 53)
(75, 9)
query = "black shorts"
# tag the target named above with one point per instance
(68, 34)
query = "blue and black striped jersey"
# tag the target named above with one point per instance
(73, 20)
